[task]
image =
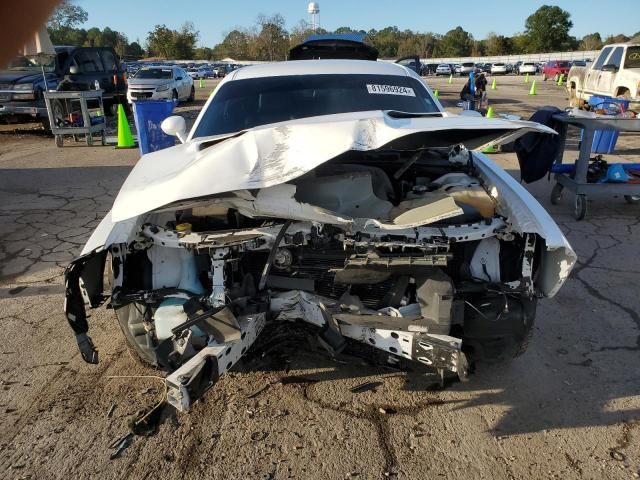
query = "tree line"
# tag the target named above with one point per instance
(545, 30)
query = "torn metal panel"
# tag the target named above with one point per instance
(526, 215)
(189, 382)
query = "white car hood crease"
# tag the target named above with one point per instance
(274, 154)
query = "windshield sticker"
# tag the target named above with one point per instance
(390, 90)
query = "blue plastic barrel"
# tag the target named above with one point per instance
(604, 141)
(148, 115)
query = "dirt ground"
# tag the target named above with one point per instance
(568, 408)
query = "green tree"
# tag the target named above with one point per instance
(620, 38)
(272, 41)
(66, 16)
(386, 41)
(547, 30)
(160, 42)
(456, 43)
(134, 50)
(63, 23)
(234, 45)
(172, 44)
(593, 41)
(498, 45)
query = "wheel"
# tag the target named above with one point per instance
(580, 207)
(58, 115)
(632, 199)
(103, 139)
(89, 139)
(544, 77)
(573, 98)
(59, 141)
(556, 194)
(175, 96)
(192, 96)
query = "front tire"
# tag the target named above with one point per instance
(192, 96)
(58, 115)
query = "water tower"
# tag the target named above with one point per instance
(314, 15)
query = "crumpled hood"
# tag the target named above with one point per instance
(270, 155)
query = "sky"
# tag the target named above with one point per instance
(214, 19)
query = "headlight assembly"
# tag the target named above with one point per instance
(163, 88)
(27, 87)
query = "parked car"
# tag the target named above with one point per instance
(412, 62)
(527, 67)
(430, 69)
(466, 68)
(457, 68)
(614, 73)
(22, 83)
(498, 68)
(554, 68)
(161, 83)
(346, 198)
(196, 73)
(443, 69)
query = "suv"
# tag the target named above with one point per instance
(22, 83)
(555, 68)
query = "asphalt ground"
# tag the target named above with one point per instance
(568, 408)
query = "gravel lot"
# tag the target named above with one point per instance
(568, 408)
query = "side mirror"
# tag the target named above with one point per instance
(73, 70)
(178, 78)
(610, 67)
(175, 126)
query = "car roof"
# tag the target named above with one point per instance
(319, 67)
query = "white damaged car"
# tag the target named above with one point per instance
(335, 192)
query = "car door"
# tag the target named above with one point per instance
(593, 74)
(606, 79)
(183, 79)
(114, 81)
(412, 62)
(83, 69)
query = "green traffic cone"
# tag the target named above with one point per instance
(125, 139)
(559, 80)
(436, 93)
(201, 84)
(526, 78)
(494, 84)
(490, 113)
(491, 149)
(450, 79)
(533, 88)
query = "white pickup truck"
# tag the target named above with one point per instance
(614, 73)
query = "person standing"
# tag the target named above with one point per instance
(480, 91)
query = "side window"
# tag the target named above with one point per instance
(616, 57)
(89, 61)
(601, 58)
(110, 61)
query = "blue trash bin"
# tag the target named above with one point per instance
(604, 141)
(148, 115)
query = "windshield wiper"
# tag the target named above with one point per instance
(399, 114)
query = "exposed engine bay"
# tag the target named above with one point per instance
(411, 252)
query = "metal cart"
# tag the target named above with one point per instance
(579, 184)
(73, 100)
